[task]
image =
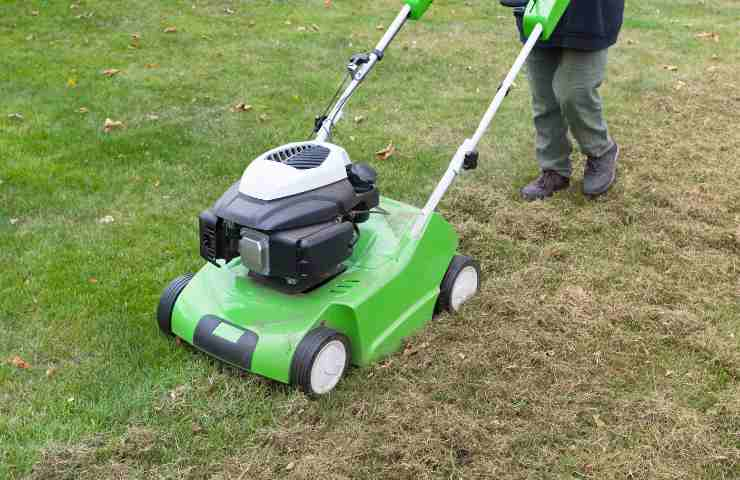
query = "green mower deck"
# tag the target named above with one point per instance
(387, 293)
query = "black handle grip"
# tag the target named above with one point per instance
(514, 3)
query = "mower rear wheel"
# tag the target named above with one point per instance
(460, 283)
(320, 361)
(168, 299)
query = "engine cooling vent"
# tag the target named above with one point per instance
(301, 157)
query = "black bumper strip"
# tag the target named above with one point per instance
(237, 352)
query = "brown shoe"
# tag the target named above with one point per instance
(544, 186)
(600, 172)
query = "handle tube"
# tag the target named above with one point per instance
(506, 85)
(335, 114)
(470, 144)
(394, 28)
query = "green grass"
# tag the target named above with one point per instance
(605, 342)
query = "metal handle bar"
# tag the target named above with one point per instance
(324, 132)
(470, 144)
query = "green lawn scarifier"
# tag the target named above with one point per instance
(309, 268)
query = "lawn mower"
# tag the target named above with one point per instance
(309, 269)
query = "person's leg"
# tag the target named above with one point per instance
(576, 86)
(552, 146)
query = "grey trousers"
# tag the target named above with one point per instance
(565, 96)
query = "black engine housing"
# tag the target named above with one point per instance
(307, 236)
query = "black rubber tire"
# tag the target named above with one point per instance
(458, 263)
(168, 299)
(305, 355)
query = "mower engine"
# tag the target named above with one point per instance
(293, 216)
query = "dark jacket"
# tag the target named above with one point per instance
(586, 25)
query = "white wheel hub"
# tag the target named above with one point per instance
(328, 367)
(465, 286)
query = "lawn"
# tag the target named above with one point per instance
(605, 342)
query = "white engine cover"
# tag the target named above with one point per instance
(267, 179)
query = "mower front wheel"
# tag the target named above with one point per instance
(168, 299)
(320, 361)
(460, 283)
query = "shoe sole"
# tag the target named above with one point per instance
(611, 182)
(534, 199)
(544, 197)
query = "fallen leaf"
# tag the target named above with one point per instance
(82, 110)
(263, 117)
(109, 72)
(50, 372)
(106, 219)
(413, 350)
(151, 65)
(15, 116)
(359, 119)
(34, 13)
(17, 361)
(136, 40)
(71, 82)
(111, 125)
(386, 152)
(92, 280)
(177, 392)
(380, 27)
(301, 29)
(599, 423)
(170, 30)
(195, 428)
(670, 68)
(708, 36)
(241, 107)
